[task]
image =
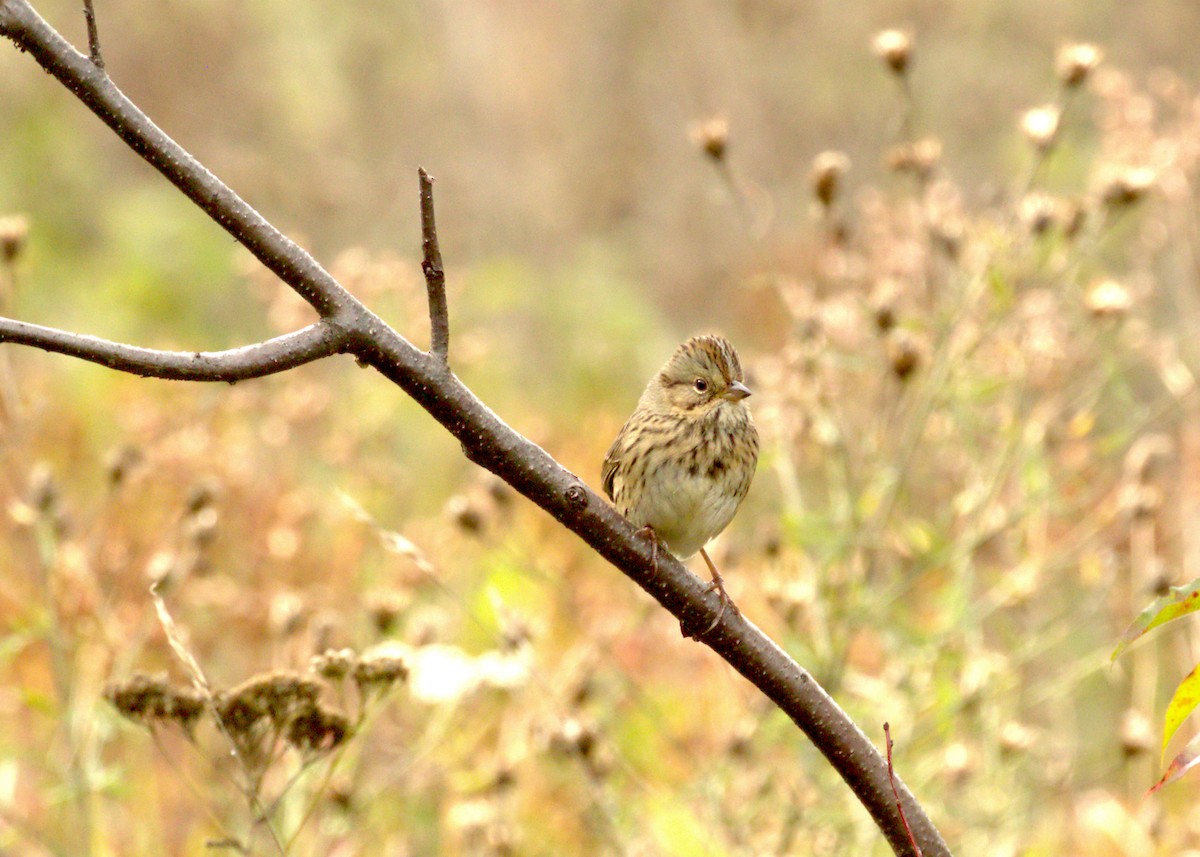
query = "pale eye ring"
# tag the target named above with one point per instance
(700, 385)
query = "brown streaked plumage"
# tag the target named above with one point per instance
(682, 463)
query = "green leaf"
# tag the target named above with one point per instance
(1180, 601)
(1185, 700)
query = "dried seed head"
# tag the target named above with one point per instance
(884, 299)
(14, 230)
(500, 491)
(1016, 737)
(333, 664)
(288, 614)
(894, 47)
(1075, 63)
(317, 730)
(1136, 733)
(378, 671)
(711, 136)
(1074, 216)
(200, 496)
(151, 700)
(919, 157)
(959, 762)
(1107, 298)
(277, 696)
(825, 177)
(42, 490)
(465, 513)
(385, 608)
(573, 737)
(1040, 126)
(1126, 186)
(200, 527)
(903, 353)
(119, 462)
(1038, 211)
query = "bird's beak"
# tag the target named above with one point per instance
(736, 392)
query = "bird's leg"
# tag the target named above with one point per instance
(718, 584)
(647, 532)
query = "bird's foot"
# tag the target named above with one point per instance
(718, 586)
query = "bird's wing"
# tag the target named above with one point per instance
(608, 471)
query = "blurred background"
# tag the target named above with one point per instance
(970, 330)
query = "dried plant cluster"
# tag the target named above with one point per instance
(979, 426)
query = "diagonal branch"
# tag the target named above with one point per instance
(237, 364)
(485, 438)
(435, 274)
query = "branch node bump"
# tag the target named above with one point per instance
(576, 498)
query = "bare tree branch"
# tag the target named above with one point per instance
(237, 364)
(435, 274)
(485, 438)
(93, 32)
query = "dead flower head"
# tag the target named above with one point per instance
(14, 230)
(711, 136)
(894, 47)
(1040, 126)
(152, 701)
(317, 730)
(1107, 298)
(826, 174)
(1075, 63)
(1124, 187)
(378, 671)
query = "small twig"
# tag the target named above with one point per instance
(435, 274)
(89, 15)
(237, 364)
(887, 733)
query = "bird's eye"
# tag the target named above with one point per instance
(700, 385)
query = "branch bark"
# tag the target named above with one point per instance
(346, 325)
(435, 274)
(237, 364)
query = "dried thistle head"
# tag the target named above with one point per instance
(884, 300)
(119, 462)
(574, 737)
(386, 608)
(1136, 733)
(825, 176)
(711, 136)
(894, 47)
(466, 514)
(1107, 298)
(1124, 187)
(1040, 126)
(14, 231)
(1038, 212)
(1016, 737)
(919, 157)
(903, 353)
(1075, 63)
